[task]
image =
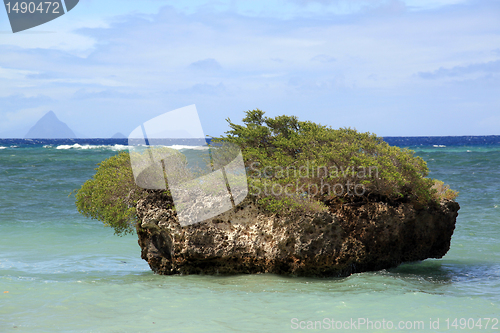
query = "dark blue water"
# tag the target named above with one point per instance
(419, 141)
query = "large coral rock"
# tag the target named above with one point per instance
(346, 240)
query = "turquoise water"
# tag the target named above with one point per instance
(66, 273)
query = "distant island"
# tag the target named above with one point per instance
(50, 127)
(118, 135)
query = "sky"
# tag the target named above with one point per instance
(389, 67)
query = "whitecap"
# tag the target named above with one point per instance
(439, 146)
(91, 147)
(119, 147)
(78, 146)
(179, 147)
(3, 147)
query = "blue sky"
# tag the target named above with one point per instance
(394, 68)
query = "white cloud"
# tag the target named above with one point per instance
(21, 101)
(203, 89)
(208, 64)
(14, 74)
(464, 72)
(343, 70)
(323, 58)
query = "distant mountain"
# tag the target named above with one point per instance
(118, 136)
(49, 127)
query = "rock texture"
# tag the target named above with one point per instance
(346, 240)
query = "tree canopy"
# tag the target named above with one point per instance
(294, 163)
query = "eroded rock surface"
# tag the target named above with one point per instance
(346, 240)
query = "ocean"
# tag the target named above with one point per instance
(61, 272)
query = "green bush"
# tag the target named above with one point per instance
(442, 191)
(110, 196)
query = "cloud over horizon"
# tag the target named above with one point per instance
(381, 66)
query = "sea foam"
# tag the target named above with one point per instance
(122, 147)
(179, 147)
(78, 146)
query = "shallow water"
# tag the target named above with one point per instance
(66, 273)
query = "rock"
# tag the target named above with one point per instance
(344, 241)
